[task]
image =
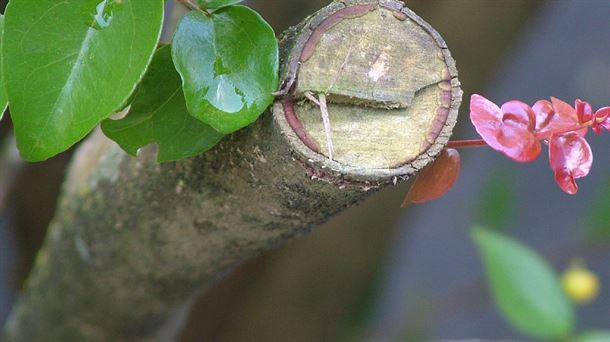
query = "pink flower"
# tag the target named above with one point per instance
(571, 158)
(516, 130)
(508, 129)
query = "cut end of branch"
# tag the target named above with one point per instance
(389, 84)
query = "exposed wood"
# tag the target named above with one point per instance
(391, 84)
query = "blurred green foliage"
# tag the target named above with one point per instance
(594, 336)
(497, 201)
(597, 220)
(525, 287)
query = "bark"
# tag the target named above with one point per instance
(134, 241)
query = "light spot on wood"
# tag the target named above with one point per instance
(379, 68)
(399, 15)
(179, 186)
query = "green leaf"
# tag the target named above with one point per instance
(229, 66)
(158, 115)
(525, 288)
(3, 99)
(72, 63)
(594, 336)
(216, 4)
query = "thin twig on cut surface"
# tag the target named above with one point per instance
(311, 98)
(326, 121)
(321, 102)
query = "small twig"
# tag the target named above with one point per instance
(311, 98)
(326, 121)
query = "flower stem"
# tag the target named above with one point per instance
(466, 143)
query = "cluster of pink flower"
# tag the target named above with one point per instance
(516, 129)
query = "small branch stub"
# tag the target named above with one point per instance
(390, 85)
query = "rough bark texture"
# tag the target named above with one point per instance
(134, 241)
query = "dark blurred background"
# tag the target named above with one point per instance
(377, 272)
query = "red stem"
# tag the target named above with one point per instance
(466, 143)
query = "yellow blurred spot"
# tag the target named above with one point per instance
(580, 284)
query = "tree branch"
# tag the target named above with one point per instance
(133, 241)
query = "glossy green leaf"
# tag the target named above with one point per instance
(594, 336)
(158, 115)
(525, 288)
(229, 66)
(216, 4)
(72, 63)
(3, 99)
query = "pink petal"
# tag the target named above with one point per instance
(544, 113)
(486, 117)
(482, 110)
(584, 111)
(602, 113)
(566, 181)
(517, 143)
(602, 120)
(519, 113)
(563, 109)
(564, 118)
(570, 157)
